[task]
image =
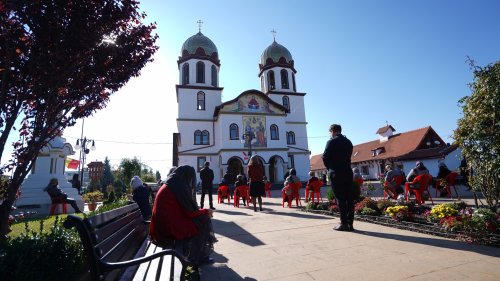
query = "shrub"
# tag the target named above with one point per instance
(441, 211)
(56, 255)
(108, 206)
(92, 197)
(398, 212)
(383, 204)
(329, 194)
(370, 212)
(367, 202)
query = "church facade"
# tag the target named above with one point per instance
(269, 123)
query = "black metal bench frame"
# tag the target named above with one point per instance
(114, 244)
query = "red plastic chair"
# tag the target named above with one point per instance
(243, 191)
(294, 194)
(450, 181)
(398, 181)
(55, 203)
(316, 186)
(268, 189)
(422, 181)
(223, 192)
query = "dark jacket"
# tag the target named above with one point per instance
(337, 155)
(55, 191)
(207, 177)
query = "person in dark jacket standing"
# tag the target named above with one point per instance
(337, 159)
(207, 179)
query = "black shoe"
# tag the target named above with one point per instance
(350, 227)
(212, 208)
(260, 209)
(255, 209)
(342, 227)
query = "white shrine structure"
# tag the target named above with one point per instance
(269, 122)
(49, 164)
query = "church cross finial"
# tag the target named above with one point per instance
(199, 22)
(387, 123)
(274, 34)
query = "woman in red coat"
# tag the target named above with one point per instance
(256, 178)
(176, 216)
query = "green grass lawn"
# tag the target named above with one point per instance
(34, 224)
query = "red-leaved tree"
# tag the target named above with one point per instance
(60, 60)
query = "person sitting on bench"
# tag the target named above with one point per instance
(57, 195)
(176, 217)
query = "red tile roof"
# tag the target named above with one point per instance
(317, 162)
(404, 146)
(397, 145)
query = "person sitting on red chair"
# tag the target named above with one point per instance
(57, 195)
(390, 183)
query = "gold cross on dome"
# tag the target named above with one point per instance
(199, 22)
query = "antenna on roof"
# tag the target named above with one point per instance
(274, 34)
(199, 22)
(387, 123)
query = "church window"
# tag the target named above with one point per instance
(233, 132)
(185, 74)
(204, 137)
(201, 162)
(214, 76)
(197, 137)
(290, 138)
(200, 101)
(291, 161)
(274, 132)
(286, 103)
(293, 82)
(272, 84)
(284, 79)
(200, 72)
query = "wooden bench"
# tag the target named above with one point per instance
(117, 247)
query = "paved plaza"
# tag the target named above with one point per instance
(287, 244)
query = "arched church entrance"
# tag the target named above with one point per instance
(276, 169)
(234, 168)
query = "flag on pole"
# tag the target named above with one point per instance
(72, 163)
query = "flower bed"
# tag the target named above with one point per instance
(450, 220)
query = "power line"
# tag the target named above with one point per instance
(127, 142)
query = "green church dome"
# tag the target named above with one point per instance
(198, 41)
(275, 52)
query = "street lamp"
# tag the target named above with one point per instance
(82, 145)
(248, 137)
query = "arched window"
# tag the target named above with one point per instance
(290, 137)
(204, 137)
(274, 132)
(293, 81)
(197, 137)
(270, 77)
(286, 103)
(233, 132)
(185, 74)
(284, 79)
(200, 72)
(200, 105)
(214, 76)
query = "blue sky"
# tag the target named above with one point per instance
(361, 63)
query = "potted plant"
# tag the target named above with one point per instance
(91, 198)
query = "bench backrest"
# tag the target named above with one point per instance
(111, 237)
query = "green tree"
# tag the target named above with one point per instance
(107, 176)
(478, 132)
(158, 175)
(129, 168)
(61, 61)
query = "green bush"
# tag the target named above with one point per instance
(329, 194)
(370, 212)
(108, 206)
(54, 255)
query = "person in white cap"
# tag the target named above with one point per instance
(141, 196)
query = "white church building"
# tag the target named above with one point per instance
(270, 122)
